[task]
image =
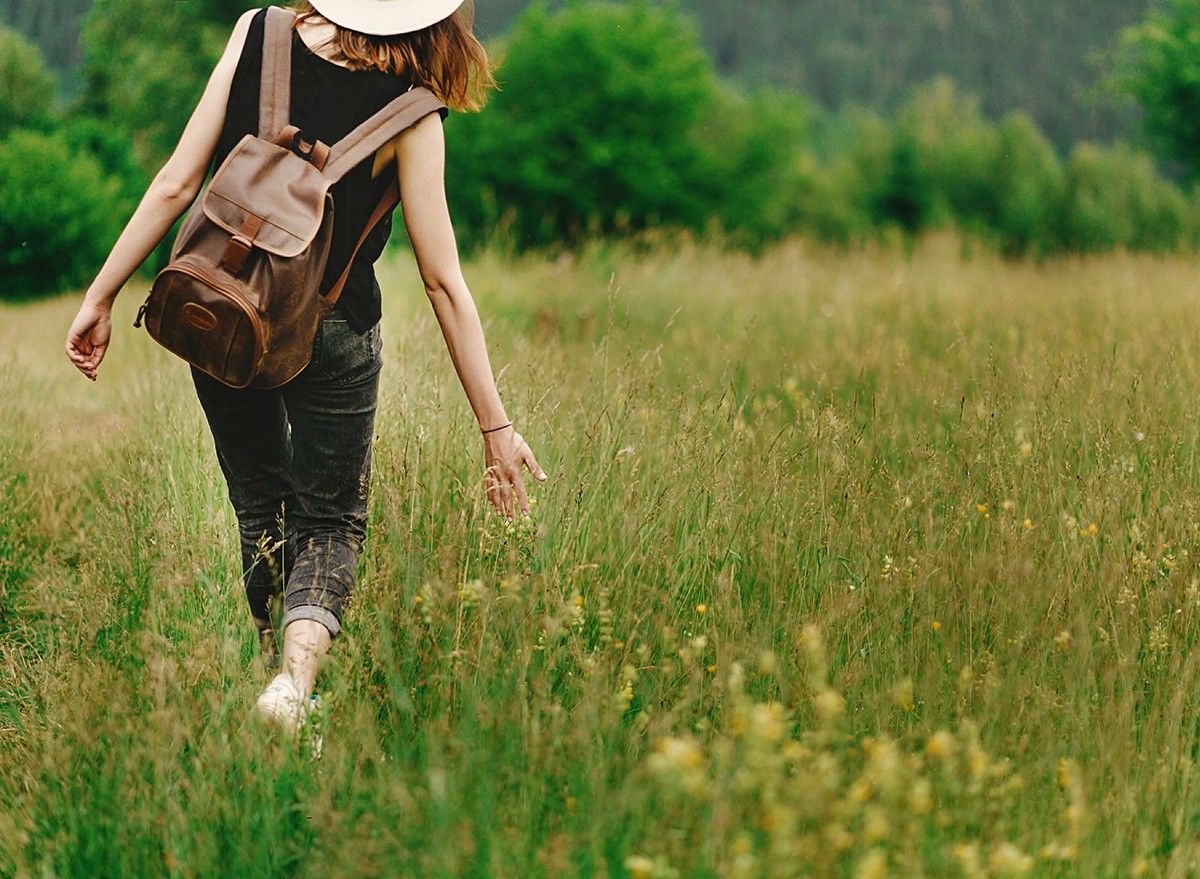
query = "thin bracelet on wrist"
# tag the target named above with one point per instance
(494, 429)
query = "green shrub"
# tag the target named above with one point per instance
(26, 84)
(595, 130)
(944, 146)
(1115, 197)
(59, 215)
(927, 168)
(946, 164)
(112, 150)
(824, 211)
(857, 195)
(760, 176)
(1026, 183)
(941, 163)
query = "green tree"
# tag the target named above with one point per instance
(112, 151)
(1027, 183)
(1032, 55)
(146, 64)
(1159, 66)
(945, 146)
(59, 214)
(595, 130)
(26, 85)
(760, 170)
(1115, 197)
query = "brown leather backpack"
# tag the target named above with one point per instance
(239, 298)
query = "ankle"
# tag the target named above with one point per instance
(305, 643)
(303, 684)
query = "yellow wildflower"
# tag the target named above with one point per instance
(872, 866)
(1008, 860)
(767, 662)
(767, 722)
(829, 704)
(940, 744)
(875, 824)
(639, 867)
(921, 796)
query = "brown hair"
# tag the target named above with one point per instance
(445, 57)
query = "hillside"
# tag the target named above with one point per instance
(1032, 54)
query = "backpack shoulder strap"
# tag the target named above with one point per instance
(390, 199)
(361, 143)
(275, 91)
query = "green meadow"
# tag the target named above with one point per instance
(850, 564)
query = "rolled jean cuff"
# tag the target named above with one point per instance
(313, 612)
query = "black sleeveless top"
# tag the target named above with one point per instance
(328, 102)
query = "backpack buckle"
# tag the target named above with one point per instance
(236, 254)
(300, 146)
(240, 245)
(316, 152)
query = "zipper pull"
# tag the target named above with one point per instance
(142, 310)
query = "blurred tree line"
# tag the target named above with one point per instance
(53, 26)
(612, 120)
(1028, 54)
(1038, 56)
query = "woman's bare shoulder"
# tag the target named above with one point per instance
(237, 39)
(407, 140)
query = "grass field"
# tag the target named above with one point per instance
(854, 565)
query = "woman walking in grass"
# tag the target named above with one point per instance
(297, 458)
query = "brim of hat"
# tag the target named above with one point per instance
(385, 17)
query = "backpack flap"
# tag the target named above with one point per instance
(267, 197)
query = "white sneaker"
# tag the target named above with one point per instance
(280, 703)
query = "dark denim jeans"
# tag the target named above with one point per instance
(297, 461)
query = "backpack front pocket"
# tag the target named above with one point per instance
(198, 312)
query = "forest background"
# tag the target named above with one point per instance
(1033, 127)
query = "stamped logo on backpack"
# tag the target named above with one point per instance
(199, 317)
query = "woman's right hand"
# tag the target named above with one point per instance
(87, 340)
(504, 452)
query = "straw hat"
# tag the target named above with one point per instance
(385, 17)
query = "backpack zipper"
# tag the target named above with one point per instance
(232, 293)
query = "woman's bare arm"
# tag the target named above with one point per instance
(178, 182)
(420, 153)
(171, 192)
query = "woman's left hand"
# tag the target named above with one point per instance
(87, 340)
(504, 452)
